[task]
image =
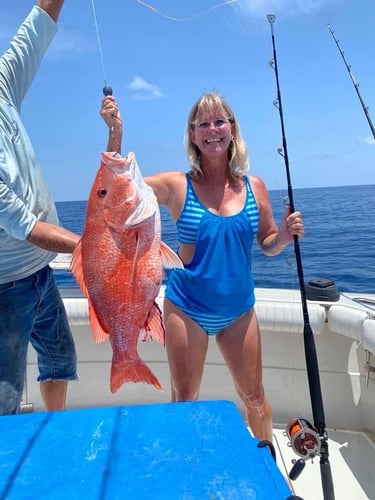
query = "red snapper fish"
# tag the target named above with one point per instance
(118, 264)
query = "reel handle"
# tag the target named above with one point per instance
(297, 468)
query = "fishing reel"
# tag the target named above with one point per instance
(305, 441)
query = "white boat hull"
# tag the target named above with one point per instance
(284, 365)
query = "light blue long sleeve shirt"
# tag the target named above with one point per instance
(24, 195)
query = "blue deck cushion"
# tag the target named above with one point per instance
(199, 450)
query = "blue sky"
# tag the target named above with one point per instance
(158, 66)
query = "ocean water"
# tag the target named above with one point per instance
(339, 241)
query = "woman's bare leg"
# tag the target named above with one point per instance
(186, 345)
(240, 346)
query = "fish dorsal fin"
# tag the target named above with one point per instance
(169, 258)
(99, 333)
(153, 329)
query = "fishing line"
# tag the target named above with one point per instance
(311, 442)
(191, 18)
(107, 90)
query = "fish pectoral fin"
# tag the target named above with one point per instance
(77, 269)
(169, 258)
(98, 331)
(153, 329)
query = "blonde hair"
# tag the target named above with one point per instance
(238, 160)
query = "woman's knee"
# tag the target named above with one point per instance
(184, 393)
(255, 402)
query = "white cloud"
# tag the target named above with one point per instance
(144, 90)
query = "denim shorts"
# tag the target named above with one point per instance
(31, 310)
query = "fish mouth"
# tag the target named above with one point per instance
(125, 165)
(118, 164)
(122, 167)
(141, 196)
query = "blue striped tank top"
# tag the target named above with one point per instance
(217, 286)
(189, 220)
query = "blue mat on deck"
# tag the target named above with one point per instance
(171, 451)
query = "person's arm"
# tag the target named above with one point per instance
(52, 7)
(19, 64)
(272, 239)
(20, 223)
(53, 238)
(275, 241)
(111, 115)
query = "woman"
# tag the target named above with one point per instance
(218, 211)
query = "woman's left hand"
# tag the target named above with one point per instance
(291, 225)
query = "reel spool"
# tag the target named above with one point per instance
(304, 439)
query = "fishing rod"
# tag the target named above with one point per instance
(355, 83)
(306, 440)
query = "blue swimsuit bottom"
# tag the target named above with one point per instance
(217, 286)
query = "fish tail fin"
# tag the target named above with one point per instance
(169, 258)
(132, 371)
(154, 327)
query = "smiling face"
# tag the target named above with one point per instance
(213, 135)
(211, 132)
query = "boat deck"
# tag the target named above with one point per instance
(352, 459)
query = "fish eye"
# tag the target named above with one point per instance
(102, 192)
